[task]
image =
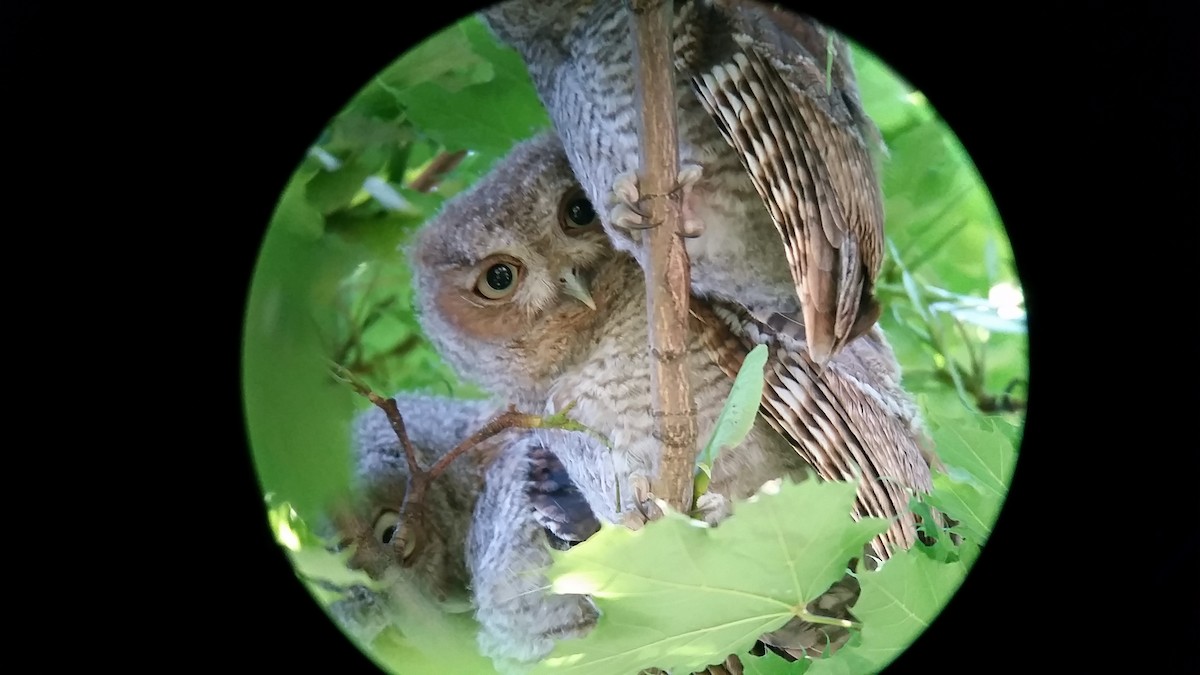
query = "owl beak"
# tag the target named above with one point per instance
(574, 286)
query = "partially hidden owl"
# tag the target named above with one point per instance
(520, 291)
(777, 156)
(491, 520)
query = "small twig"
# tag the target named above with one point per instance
(441, 165)
(390, 409)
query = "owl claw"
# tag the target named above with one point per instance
(712, 508)
(626, 197)
(627, 217)
(646, 506)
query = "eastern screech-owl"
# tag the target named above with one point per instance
(521, 292)
(490, 521)
(769, 147)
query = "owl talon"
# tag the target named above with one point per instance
(690, 226)
(626, 197)
(712, 508)
(627, 217)
(646, 506)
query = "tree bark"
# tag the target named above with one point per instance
(668, 275)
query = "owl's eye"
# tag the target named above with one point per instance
(575, 212)
(385, 526)
(498, 280)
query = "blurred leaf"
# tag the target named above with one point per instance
(453, 117)
(329, 191)
(292, 407)
(317, 563)
(420, 635)
(294, 213)
(353, 132)
(447, 59)
(984, 317)
(680, 595)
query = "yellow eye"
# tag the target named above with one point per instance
(498, 280)
(385, 526)
(575, 212)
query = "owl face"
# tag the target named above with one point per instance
(510, 263)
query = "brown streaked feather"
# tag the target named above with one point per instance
(835, 419)
(819, 184)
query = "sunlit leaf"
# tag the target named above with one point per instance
(680, 595)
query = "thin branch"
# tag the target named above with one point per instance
(390, 409)
(668, 277)
(441, 165)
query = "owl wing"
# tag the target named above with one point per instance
(840, 422)
(813, 172)
(557, 504)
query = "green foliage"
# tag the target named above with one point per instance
(981, 462)
(737, 415)
(680, 595)
(897, 602)
(331, 283)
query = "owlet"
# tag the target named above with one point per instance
(491, 519)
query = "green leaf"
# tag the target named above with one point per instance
(943, 549)
(447, 59)
(680, 595)
(421, 634)
(896, 605)
(319, 564)
(979, 464)
(330, 191)
(353, 132)
(740, 409)
(984, 453)
(294, 213)
(453, 117)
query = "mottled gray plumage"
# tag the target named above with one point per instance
(542, 348)
(569, 327)
(491, 520)
(785, 151)
(509, 551)
(436, 579)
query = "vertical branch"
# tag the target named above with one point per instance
(668, 277)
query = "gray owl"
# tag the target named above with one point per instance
(770, 148)
(435, 578)
(492, 518)
(518, 288)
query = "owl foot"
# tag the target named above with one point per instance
(712, 508)
(626, 197)
(646, 506)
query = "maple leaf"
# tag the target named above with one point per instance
(897, 603)
(679, 594)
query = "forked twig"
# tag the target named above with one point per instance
(406, 541)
